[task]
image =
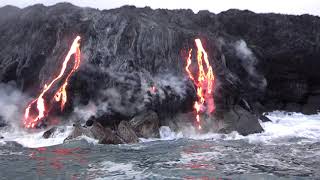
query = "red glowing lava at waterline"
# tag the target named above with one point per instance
(30, 121)
(204, 82)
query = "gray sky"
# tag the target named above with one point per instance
(216, 6)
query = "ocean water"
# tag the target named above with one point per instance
(288, 149)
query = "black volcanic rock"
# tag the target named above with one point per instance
(2, 122)
(111, 138)
(104, 135)
(146, 124)
(78, 131)
(52, 132)
(312, 106)
(240, 120)
(49, 133)
(126, 132)
(292, 107)
(266, 59)
(264, 118)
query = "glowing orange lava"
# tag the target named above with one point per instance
(153, 89)
(204, 83)
(60, 95)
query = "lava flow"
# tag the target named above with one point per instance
(204, 82)
(30, 121)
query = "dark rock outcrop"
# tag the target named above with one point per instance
(240, 120)
(52, 132)
(49, 133)
(312, 105)
(146, 124)
(111, 138)
(2, 123)
(264, 118)
(96, 131)
(260, 61)
(78, 131)
(126, 132)
(105, 135)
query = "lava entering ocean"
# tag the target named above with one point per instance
(42, 107)
(204, 82)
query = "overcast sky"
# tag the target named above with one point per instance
(216, 6)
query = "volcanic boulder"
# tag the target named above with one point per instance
(146, 124)
(78, 131)
(126, 132)
(2, 122)
(242, 121)
(49, 133)
(264, 118)
(104, 135)
(111, 138)
(98, 131)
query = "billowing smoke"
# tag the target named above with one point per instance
(249, 62)
(127, 92)
(177, 84)
(83, 112)
(12, 103)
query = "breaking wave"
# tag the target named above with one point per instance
(283, 128)
(34, 139)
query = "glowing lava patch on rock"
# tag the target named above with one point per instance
(204, 82)
(38, 109)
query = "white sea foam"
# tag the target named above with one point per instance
(35, 139)
(283, 127)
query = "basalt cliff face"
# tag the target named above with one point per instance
(262, 62)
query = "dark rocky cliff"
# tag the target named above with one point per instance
(262, 62)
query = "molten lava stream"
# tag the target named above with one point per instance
(60, 96)
(204, 82)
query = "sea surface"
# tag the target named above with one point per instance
(288, 149)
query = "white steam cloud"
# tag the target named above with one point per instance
(249, 62)
(12, 103)
(130, 92)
